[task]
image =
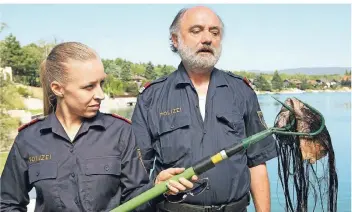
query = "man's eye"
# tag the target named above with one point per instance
(215, 33)
(102, 83)
(195, 31)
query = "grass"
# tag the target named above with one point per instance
(3, 157)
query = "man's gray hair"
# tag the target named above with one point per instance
(175, 27)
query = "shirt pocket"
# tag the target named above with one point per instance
(173, 136)
(42, 171)
(232, 124)
(108, 165)
(42, 176)
(101, 182)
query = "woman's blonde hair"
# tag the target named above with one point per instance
(53, 68)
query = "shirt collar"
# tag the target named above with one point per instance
(217, 77)
(52, 123)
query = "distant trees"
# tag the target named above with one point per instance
(126, 71)
(125, 77)
(276, 82)
(150, 72)
(346, 80)
(261, 83)
(24, 61)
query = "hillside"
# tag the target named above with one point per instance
(310, 71)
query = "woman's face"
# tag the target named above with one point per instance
(82, 92)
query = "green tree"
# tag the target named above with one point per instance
(126, 72)
(305, 85)
(150, 72)
(164, 71)
(131, 88)
(138, 69)
(276, 81)
(11, 55)
(33, 55)
(111, 68)
(261, 83)
(113, 86)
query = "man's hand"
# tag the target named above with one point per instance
(174, 187)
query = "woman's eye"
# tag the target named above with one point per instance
(88, 87)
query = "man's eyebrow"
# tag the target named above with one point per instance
(197, 26)
(214, 27)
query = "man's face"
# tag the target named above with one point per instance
(199, 39)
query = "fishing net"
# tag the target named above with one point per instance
(306, 163)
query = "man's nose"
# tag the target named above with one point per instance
(206, 38)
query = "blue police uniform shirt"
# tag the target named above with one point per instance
(98, 170)
(169, 127)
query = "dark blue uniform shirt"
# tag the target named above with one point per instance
(168, 125)
(95, 172)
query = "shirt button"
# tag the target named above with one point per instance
(37, 174)
(172, 126)
(107, 168)
(71, 150)
(205, 132)
(72, 174)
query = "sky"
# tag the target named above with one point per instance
(262, 37)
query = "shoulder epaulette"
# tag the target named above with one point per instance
(30, 123)
(146, 85)
(121, 117)
(244, 79)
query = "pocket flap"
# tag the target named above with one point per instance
(167, 124)
(103, 165)
(42, 170)
(233, 120)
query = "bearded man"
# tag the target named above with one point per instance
(198, 110)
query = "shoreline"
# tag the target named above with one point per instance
(298, 91)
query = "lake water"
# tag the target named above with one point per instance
(336, 108)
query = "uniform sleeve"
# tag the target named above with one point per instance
(14, 182)
(143, 133)
(265, 149)
(134, 176)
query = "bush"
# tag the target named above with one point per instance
(24, 92)
(10, 99)
(131, 88)
(7, 125)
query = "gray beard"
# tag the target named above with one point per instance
(195, 62)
